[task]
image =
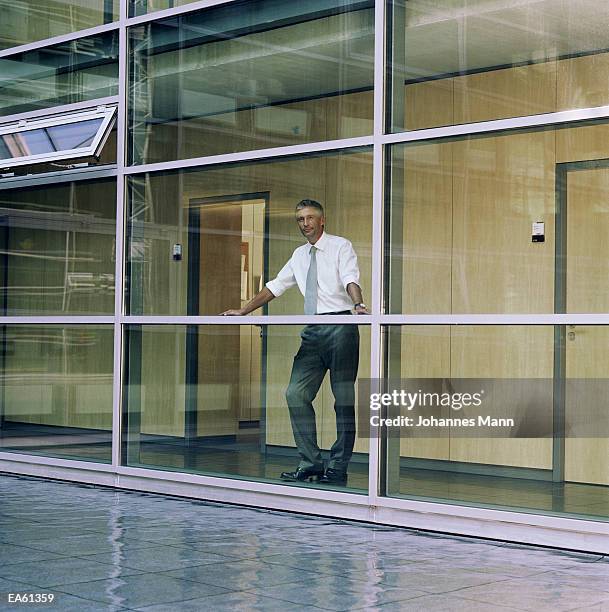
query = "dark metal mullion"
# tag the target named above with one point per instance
(192, 331)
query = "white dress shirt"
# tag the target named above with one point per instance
(336, 268)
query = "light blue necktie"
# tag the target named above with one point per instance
(310, 301)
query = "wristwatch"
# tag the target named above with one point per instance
(360, 304)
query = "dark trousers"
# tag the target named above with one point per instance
(324, 347)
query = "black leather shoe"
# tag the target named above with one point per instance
(303, 475)
(334, 477)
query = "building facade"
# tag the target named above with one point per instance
(151, 155)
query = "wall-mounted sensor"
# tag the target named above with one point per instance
(538, 232)
(176, 252)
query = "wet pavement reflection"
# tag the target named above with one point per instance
(101, 549)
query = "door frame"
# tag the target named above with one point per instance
(192, 306)
(560, 306)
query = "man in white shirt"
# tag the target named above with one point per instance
(326, 272)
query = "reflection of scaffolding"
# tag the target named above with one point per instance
(77, 276)
(141, 213)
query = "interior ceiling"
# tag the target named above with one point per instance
(449, 36)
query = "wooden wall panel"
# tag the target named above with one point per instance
(163, 383)
(502, 185)
(582, 81)
(510, 92)
(503, 352)
(425, 353)
(426, 249)
(429, 104)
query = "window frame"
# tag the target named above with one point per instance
(106, 113)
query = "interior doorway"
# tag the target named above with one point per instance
(227, 265)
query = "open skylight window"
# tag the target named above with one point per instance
(47, 139)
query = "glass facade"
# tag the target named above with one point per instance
(462, 62)
(58, 245)
(235, 224)
(250, 75)
(83, 69)
(57, 391)
(25, 22)
(554, 379)
(459, 150)
(212, 399)
(481, 195)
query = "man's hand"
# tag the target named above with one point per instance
(361, 310)
(233, 312)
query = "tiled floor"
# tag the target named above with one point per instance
(99, 549)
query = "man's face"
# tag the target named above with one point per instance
(311, 223)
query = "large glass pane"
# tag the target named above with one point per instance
(24, 21)
(552, 382)
(205, 241)
(214, 400)
(56, 392)
(502, 223)
(250, 75)
(83, 69)
(473, 60)
(58, 246)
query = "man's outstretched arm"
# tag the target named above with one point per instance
(355, 293)
(260, 299)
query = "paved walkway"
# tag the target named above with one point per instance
(98, 549)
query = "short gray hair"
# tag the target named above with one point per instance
(311, 204)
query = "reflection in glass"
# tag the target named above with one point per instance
(250, 75)
(462, 215)
(141, 7)
(84, 69)
(462, 62)
(558, 472)
(25, 21)
(56, 385)
(236, 227)
(212, 399)
(57, 244)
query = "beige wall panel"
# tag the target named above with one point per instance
(502, 352)
(582, 81)
(428, 104)
(282, 345)
(502, 185)
(425, 353)
(163, 388)
(582, 143)
(427, 229)
(511, 92)
(350, 115)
